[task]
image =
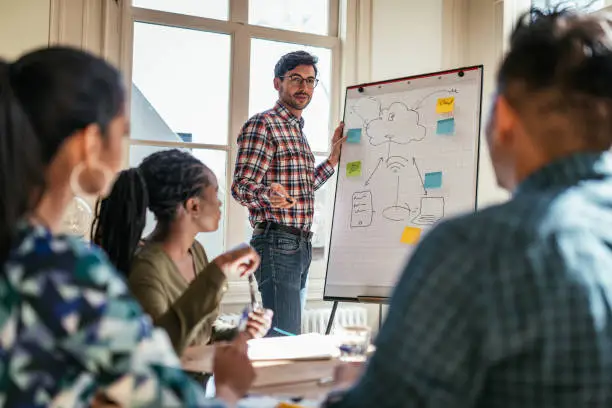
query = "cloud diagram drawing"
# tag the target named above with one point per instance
(395, 124)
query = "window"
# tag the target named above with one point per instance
(295, 15)
(182, 76)
(187, 57)
(217, 9)
(588, 5)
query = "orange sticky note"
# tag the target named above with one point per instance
(445, 105)
(411, 235)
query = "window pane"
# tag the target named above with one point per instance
(218, 9)
(178, 92)
(294, 15)
(262, 95)
(216, 160)
(587, 5)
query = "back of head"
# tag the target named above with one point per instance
(557, 76)
(45, 97)
(162, 183)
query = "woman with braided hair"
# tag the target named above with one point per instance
(169, 272)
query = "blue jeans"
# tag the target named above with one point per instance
(282, 276)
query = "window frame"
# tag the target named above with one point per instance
(241, 33)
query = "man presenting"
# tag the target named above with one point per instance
(275, 178)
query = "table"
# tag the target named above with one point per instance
(309, 379)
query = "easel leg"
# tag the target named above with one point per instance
(330, 323)
(380, 316)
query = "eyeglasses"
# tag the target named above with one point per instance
(297, 81)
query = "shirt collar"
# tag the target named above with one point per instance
(284, 113)
(568, 171)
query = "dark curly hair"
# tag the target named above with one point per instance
(559, 65)
(162, 182)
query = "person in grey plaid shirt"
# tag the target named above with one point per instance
(275, 178)
(512, 306)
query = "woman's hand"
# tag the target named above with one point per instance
(238, 262)
(233, 372)
(259, 323)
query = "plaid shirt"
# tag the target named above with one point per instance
(272, 148)
(509, 307)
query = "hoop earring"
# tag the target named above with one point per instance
(75, 185)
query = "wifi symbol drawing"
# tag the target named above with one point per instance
(396, 163)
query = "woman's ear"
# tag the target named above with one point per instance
(192, 205)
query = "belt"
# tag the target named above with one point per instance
(283, 228)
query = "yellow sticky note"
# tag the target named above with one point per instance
(411, 235)
(445, 105)
(353, 169)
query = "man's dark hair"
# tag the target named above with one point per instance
(557, 75)
(289, 61)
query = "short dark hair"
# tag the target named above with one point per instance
(291, 60)
(559, 67)
(163, 181)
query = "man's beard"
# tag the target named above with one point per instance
(294, 104)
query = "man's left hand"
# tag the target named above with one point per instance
(337, 141)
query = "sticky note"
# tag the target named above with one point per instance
(445, 105)
(446, 126)
(353, 136)
(433, 180)
(410, 235)
(353, 169)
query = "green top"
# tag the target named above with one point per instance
(187, 311)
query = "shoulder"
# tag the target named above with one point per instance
(61, 260)
(150, 260)
(261, 121)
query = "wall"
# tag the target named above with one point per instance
(406, 37)
(24, 25)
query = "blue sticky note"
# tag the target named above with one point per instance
(446, 126)
(433, 180)
(354, 135)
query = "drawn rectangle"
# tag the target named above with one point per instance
(410, 235)
(445, 105)
(433, 180)
(446, 127)
(353, 135)
(353, 169)
(362, 209)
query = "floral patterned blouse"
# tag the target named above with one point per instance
(69, 329)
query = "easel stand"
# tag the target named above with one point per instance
(380, 301)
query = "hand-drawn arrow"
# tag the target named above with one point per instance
(380, 160)
(420, 102)
(420, 176)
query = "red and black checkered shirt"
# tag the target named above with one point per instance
(272, 148)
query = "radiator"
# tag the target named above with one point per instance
(315, 320)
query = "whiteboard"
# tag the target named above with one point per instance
(410, 160)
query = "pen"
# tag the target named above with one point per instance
(254, 302)
(286, 333)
